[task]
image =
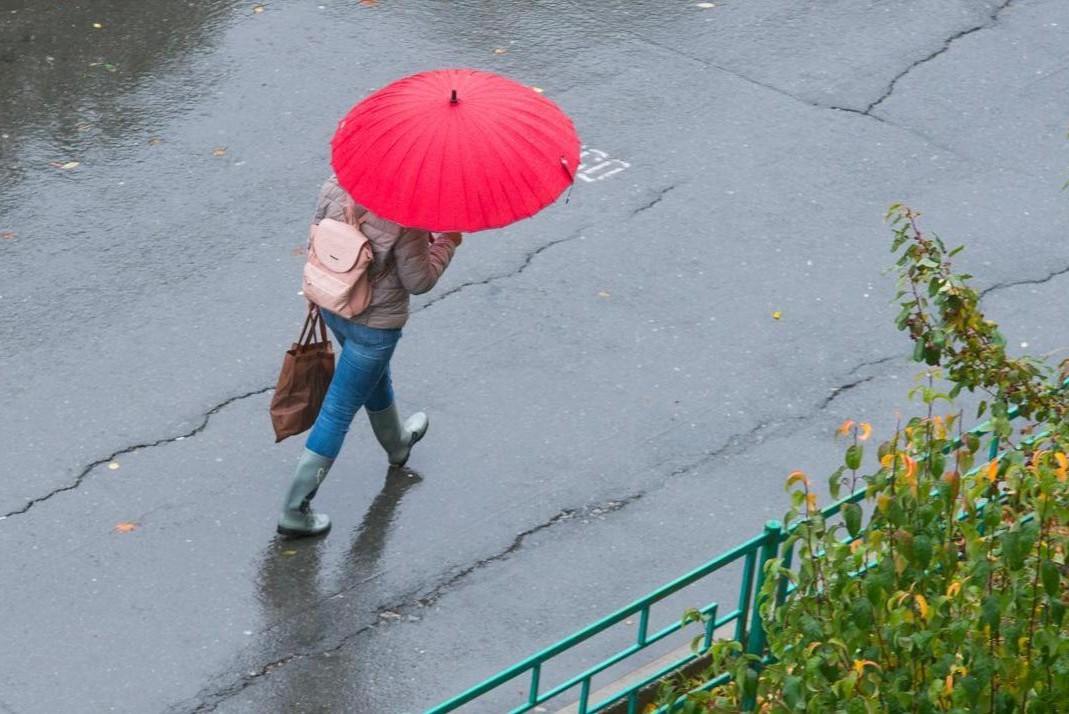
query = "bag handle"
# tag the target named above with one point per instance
(311, 321)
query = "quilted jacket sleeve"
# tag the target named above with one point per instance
(419, 261)
(331, 202)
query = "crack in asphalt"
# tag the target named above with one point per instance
(503, 276)
(875, 362)
(420, 599)
(87, 469)
(1024, 281)
(567, 514)
(657, 199)
(212, 701)
(992, 19)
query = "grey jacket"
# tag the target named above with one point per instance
(408, 261)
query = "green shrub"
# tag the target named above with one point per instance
(947, 591)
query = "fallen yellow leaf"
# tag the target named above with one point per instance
(500, 51)
(603, 294)
(257, 9)
(539, 90)
(7, 235)
(126, 527)
(706, 5)
(154, 141)
(114, 465)
(777, 315)
(98, 26)
(289, 552)
(219, 151)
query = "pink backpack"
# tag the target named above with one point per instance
(337, 274)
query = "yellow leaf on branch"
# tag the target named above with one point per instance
(922, 605)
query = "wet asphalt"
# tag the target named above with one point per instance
(612, 401)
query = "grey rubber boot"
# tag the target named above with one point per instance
(298, 519)
(397, 438)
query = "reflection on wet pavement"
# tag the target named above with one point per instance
(67, 70)
(292, 583)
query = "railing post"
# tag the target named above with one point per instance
(755, 640)
(992, 449)
(536, 675)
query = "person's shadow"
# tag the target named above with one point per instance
(291, 591)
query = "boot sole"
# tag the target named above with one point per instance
(293, 533)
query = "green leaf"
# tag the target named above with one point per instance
(835, 483)
(1013, 549)
(990, 612)
(936, 464)
(1051, 578)
(853, 456)
(932, 354)
(972, 686)
(918, 351)
(862, 612)
(794, 693)
(852, 517)
(922, 551)
(1057, 612)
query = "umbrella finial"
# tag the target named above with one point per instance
(453, 99)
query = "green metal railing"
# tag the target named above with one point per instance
(754, 554)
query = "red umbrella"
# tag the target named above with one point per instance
(455, 150)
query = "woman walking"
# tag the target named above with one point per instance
(406, 262)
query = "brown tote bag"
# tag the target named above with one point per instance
(306, 373)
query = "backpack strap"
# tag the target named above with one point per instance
(352, 219)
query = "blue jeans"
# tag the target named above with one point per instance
(361, 379)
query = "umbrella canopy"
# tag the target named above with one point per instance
(455, 150)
